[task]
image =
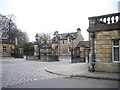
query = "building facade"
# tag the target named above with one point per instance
(10, 48)
(7, 50)
(104, 37)
(71, 44)
(7, 47)
(67, 41)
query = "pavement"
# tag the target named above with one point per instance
(81, 70)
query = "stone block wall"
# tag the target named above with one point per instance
(103, 50)
(103, 44)
(82, 54)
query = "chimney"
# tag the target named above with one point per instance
(78, 30)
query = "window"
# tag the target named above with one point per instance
(4, 35)
(63, 42)
(69, 49)
(116, 51)
(4, 49)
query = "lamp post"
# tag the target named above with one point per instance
(93, 52)
(37, 39)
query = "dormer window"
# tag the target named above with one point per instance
(4, 35)
(69, 39)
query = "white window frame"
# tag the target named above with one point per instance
(113, 52)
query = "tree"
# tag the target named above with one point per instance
(9, 31)
(42, 37)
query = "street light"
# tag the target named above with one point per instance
(93, 52)
(37, 39)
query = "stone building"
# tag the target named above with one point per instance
(10, 48)
(67, 41)
(70, 44)
(104, 37)
(7, 48)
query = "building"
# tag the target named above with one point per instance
(7, 48)
(12, 39)
(70, 44)
(67, 41)
(104, 37)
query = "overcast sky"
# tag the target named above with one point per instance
(36, 16)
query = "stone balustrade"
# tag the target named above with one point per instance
(104, 22)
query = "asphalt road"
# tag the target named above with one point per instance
(68, 83)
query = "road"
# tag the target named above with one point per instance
(31, 74)
(68, 83)
(16, 71)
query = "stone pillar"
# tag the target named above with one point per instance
(21, 52)
(36, 53)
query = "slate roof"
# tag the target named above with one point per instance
(63, 36)
(83, 44)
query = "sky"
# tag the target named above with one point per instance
(47, 16)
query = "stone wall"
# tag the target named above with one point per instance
(103, 50)
(103, 44)
(82, 54)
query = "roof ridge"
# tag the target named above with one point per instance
(67, 33)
